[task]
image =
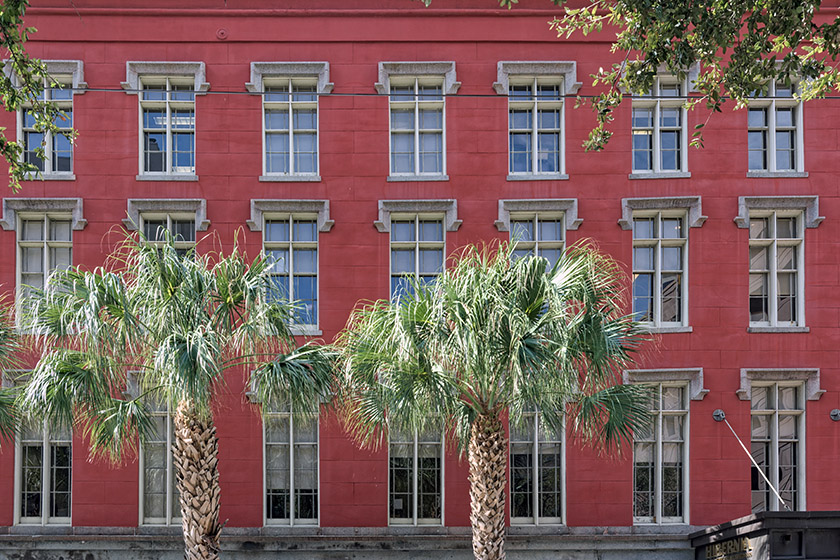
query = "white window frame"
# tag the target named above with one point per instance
(808, 382)
(291, 246)
(806, 209)
(47, 443)
(563, 73)
(415, 519)
(70, 74)
(773, 243)
(769, 104)
(172, 492)
(774, 440)
(692, 382)
(536, 440)
(417, 245)
(170, 218)
(293, 520)
(399, 210)
(654, 101)
(45, 243)
(657, 438)
(309, 73)
(139, 73)
(418, 73)
(262, 209)
(689, 209)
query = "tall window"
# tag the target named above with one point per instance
(167, 119)
(58, 148)
(45, 468)
(161, 499)
(536, 473)
(417, 251)
(417, 125)
(290, 110)
(415, 478)
(660, 457)
(540, 234)
(776, 255)
(45, 244)
(778, 422)
(660, 261)
(535, 113)
(659, 134)
(773, 130)
(291, 469)
(290, 242)
(180, 227)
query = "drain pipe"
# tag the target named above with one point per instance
(720, 416)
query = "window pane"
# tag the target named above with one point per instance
(431, 231)
(402, 231)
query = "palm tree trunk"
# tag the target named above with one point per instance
(488, 465)
(195, 452)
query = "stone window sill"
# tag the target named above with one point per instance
(662, 175)
(167, 177)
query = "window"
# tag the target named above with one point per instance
(167, 109)
(44, 458)
(536, 473)
(417, 251)
(417, 117)
(290, 243)
(67, 80)
(658, 128)
(540, 234)
(158, 227)
(778, 424)
(58, 148)
(659, 459)
(291, 469)
(290, 113)
(45, 244)
(415, 478)
(776, 264)
(535, 120)
(417, 124)
(774, 134)
(167, 93)
(660, 260)
(160, 504)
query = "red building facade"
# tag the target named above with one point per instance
(361, 143)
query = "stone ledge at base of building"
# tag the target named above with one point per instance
(576, 543)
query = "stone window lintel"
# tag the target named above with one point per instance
(442, 68)
(691, 203)
(693, 376)
(569, 207)
(138, 206)
(73, 67)
(259, 70)
(267, 206)
(810, 376)
(506, 68)
(387, 207)
(134, 69)
(810, 206)
(13, 206)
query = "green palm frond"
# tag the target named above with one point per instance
(494, 334)
(173, 322)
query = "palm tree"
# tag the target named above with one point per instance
(177, 323)
(9, 359)
(494, 336)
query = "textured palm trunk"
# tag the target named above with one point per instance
(488, 465)
(196, 454)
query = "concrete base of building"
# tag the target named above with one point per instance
(543, 543)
